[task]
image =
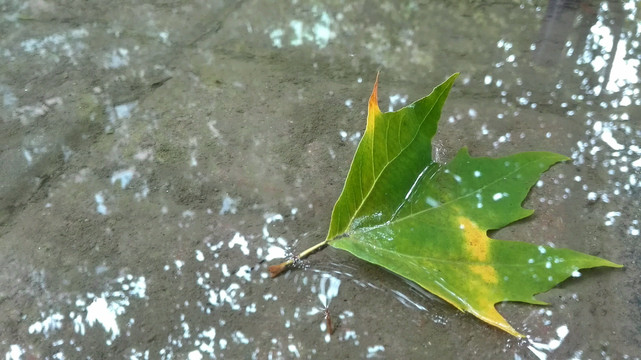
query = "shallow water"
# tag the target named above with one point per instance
(156, 158)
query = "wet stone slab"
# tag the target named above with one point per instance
(157, 157)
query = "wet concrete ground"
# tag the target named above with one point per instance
(157, 157)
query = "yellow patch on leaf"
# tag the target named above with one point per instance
(477, 243)
(486, 272)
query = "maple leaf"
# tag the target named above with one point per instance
(428, 221)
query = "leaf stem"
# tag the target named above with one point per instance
(276, 270)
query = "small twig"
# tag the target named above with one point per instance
(328, 322)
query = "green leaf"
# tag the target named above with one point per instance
(428, 222)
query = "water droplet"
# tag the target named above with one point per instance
(432, 202)
(199, 255)
(499, 196)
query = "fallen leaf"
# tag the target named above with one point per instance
(428, 221)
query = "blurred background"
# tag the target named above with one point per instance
(157, 157)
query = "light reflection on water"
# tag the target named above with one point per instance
(91, 309)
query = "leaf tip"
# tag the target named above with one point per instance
(492, 317)
(372, 108)
(510, 330)
(613, 265)
(562, 158)
(450, 80)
